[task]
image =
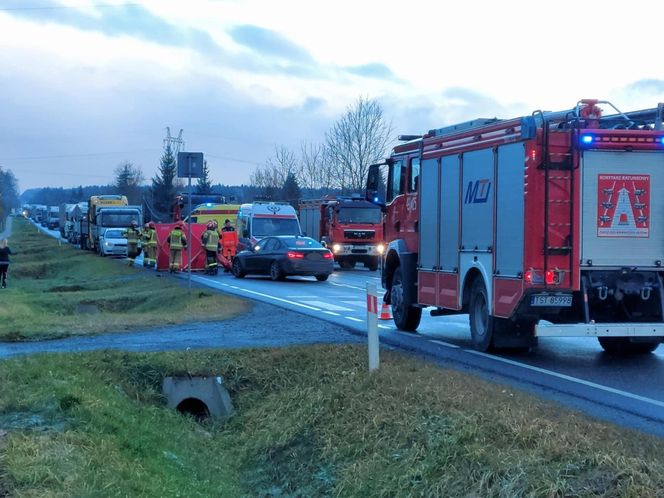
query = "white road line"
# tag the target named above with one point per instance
(327, 306)
(294, 303)
(331, 313)
(348, 286)
(353, 318)
(446, 344)
(571, 379)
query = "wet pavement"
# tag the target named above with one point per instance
(265, 326)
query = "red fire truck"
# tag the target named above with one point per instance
(540, 226)
(351, 227)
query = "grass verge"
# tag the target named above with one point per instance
(55, 290)
(309, 422)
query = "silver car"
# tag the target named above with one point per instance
(112, 243)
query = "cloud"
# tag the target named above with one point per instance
(372, 70)
(119, 20)
(653, 87)
(269, 43)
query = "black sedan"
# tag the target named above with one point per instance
(285, 255)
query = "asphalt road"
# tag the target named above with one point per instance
(574, 371)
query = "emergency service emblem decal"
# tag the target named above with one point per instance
(623, 205)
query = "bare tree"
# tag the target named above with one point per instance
(357, 140)
(272, 176)
(315, 171)
(128, 181)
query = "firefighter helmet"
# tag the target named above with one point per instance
(152, 225)
(134, 224)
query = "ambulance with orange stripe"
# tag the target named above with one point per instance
(265, 219)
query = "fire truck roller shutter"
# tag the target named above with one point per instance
(449, 214)
(477, 216)
(428, 216)
(510, 197)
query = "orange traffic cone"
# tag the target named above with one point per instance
(385, 312)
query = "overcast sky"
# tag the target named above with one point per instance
(85, 85)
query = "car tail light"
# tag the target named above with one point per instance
(295, 255)
(327, 255)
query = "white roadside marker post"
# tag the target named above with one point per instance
(372, 327)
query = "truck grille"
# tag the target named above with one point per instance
(359, 234)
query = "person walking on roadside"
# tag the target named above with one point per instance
(133, 236)
(4, 262)
(210, 241)
(176, 242)
(150, 245)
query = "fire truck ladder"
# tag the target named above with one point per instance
(558, 201)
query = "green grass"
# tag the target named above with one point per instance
(55, 290)
(309, 422)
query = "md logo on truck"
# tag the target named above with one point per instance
(477, 191)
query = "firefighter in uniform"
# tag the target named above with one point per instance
(152, 245)
(133, 236)
(210, 241)
(176, 242)
(149, 241)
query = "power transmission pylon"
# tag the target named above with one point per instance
(176, 144)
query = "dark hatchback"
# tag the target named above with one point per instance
(285, 255)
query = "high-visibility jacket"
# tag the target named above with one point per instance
(132, 236)
(177, 239)
(210, 239)
(149, 237)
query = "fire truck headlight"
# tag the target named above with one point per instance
(336, 248)
(380, 248)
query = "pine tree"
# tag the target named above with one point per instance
(163, 186)
(204, 185)
(290, 191)
(128, 179)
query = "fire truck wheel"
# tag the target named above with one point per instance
(347, 265)
(406, 317)
(482, 324)
(237, 269)
(622, 346)
(372, 266)
(275, 271)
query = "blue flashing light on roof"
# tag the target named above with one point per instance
(587, 139)
(208, 204)
(661, 140)
(376, 198)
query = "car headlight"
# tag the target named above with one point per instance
(380, 248)
(336, 248)
(108, 244)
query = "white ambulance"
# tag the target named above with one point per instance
(265, 219)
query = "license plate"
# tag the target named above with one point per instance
(551, 300)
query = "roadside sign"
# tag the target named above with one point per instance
(190, 164)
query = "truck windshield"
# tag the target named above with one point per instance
(265, 227)
(117, 219)
(359, 215)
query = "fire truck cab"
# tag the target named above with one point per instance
(540, 226)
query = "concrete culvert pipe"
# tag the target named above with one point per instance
(200, 397)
